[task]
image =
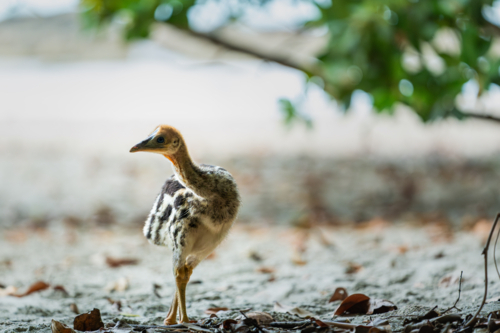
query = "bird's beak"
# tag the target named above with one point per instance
(140, 146)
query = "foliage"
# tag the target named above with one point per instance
(416, 52)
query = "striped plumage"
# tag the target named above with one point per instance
(193, 212)
(177, 208)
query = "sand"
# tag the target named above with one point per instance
(415, 267)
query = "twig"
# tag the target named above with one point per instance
(495, 255)
(485, 254)
(289, 324)
(342, 325)
(458, 299)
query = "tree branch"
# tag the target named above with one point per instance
(313, 70)
(481, 116)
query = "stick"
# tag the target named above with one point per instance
(289, 324)
(485, 254)
(495, 255)
(458, 299)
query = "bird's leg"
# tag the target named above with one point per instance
(172, 313)
(182, 275)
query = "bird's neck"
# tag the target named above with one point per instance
(189, 172)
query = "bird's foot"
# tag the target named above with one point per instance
(169, 321)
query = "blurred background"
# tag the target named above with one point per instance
(330, 113)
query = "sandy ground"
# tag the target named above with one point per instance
(416, 267)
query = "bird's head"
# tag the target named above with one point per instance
(164, 140)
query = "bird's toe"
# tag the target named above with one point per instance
(170, 321)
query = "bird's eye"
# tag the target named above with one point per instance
(160, 139)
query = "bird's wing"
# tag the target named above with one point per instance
(175, 207)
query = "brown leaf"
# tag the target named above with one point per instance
(35, 287)
(265, 270)
(117, 262)
(215, 310)
(292, 310)
(226, 324)
(61, 289)
(90, 321)
(262, 318)
(353, 268)
(74, 308)
(402, 249)
(339, 294)
(58, 327)
(356, 303)
(380, 306)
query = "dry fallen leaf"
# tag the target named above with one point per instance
(356, 303)
(227, 324)
(353, 268)
(74, 308)
(265, 270)
(360, 303)
(339, 294)
(215, 310)
(292, 310)
(58, 327)
(35, 287)
(262, 318)
(90, 321)
(380, 306)
(61, 289)
(117, 262)
(119, 285)
(402, 249)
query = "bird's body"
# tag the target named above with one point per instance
(187, 223)
(193, 212)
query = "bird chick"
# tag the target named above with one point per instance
(193, 212)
